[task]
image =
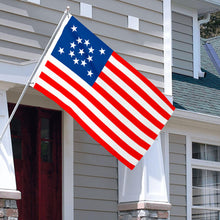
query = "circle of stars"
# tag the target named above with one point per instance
(84, 47)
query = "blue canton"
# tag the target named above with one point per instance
(81, 51)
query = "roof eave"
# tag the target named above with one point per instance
(202, 6)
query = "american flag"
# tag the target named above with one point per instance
(111, 100)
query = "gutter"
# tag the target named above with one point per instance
(206, 19)
(195, 116)
(215, 2)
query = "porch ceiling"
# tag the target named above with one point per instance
(203, 6)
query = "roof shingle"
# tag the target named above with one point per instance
(199, 95)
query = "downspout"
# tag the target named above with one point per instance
(205, 20)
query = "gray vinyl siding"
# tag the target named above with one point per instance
(25, 31)
(26, 28)
(182, 33)
(95, 179)
(177, 157)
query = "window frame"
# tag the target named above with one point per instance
(198, 164)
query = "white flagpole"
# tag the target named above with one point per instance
(66, 13)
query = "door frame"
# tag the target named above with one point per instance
(67, 166)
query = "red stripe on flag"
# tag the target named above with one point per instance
(130, 100)
(143, 78)
(91, 115)
(138, 90)
(84, 125)
(98, 105)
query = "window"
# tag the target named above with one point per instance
(205, 181)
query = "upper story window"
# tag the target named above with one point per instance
(205, 181)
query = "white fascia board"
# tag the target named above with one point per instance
(216, 2)
(16, 73)
(196, 116)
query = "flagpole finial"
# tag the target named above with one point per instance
(68, 10)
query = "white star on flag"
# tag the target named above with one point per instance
(87, 43)
(76, 61)
(89, 58)
(73, 28)
(91, 50)
(83, 62)
(102, 51)
(81, 52)
(61, 50)
(71, 53)
(79, 40)
(90, 73)
(73, 45)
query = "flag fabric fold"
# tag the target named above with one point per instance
(119, 107)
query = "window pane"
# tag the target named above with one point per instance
(15, 127)
(206, 190)
(199, 214)
(16, 138)
(17, 149)
(198, 151)
(46, 151)
(213, 153)
(206, 152)
(45, 128)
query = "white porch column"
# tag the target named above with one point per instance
(144, 189)
(7, 180)
(147, 181)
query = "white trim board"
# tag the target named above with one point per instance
(167, 24)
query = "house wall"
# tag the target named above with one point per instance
(25, 30)
(177, 155)
(182, 33)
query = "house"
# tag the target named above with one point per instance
(57, 171)
(197, 160)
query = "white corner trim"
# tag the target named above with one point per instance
(166, 158)
(7, 171)
(189, 176)
(133, 23)
(167, 18)
(85, 10)
(67, 167)
(196, 47)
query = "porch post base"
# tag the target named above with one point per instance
(8, 205)
(143, 210)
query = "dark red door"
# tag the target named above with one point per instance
(36, 141)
